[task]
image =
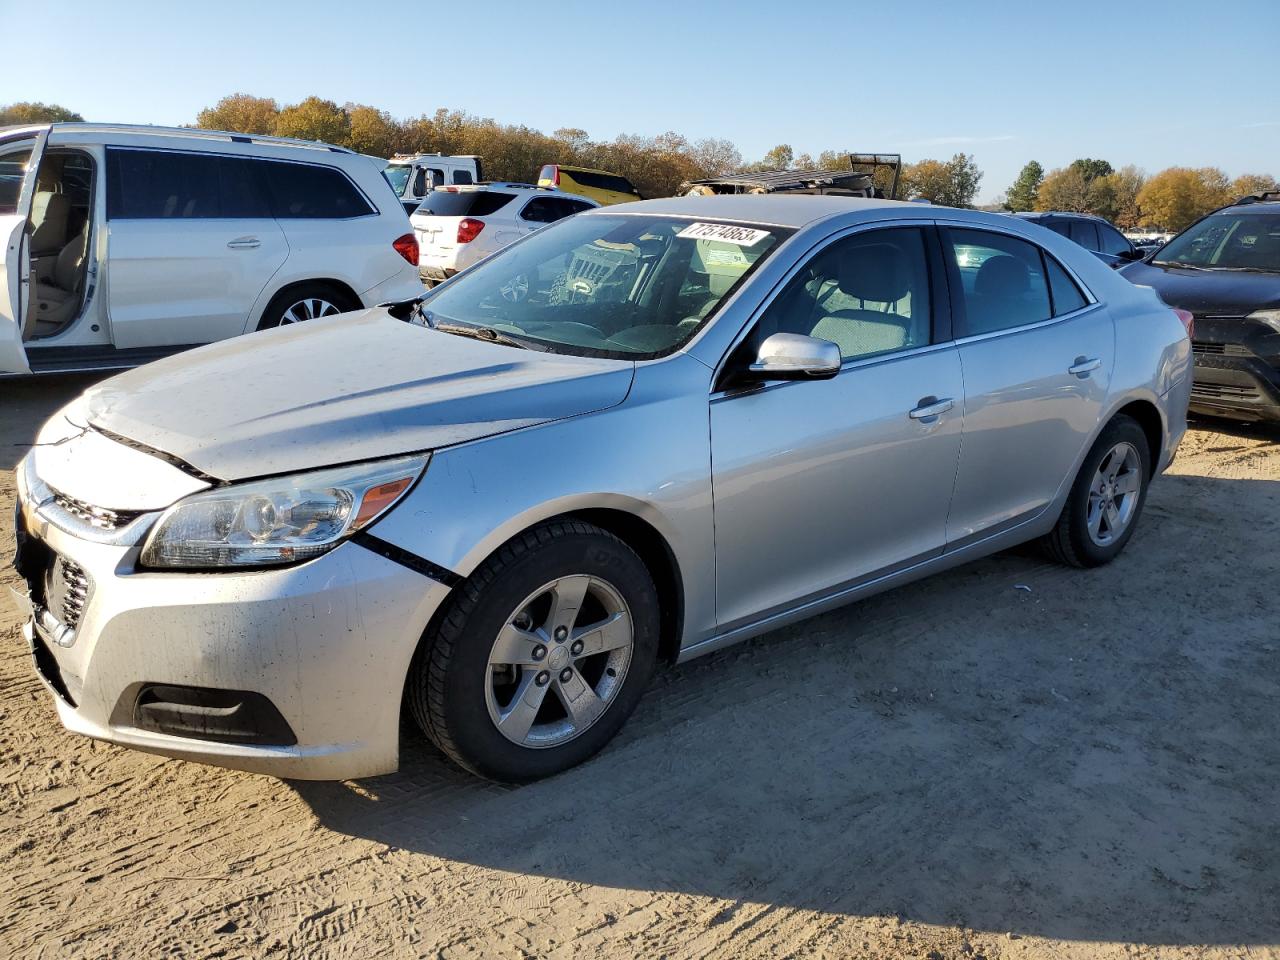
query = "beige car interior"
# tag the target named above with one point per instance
(61, 222)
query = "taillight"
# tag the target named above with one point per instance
(1188, 320)
(469, 229)
(407, 247)
(556, 178)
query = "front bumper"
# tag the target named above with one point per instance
(1237, 369)
(327, 644)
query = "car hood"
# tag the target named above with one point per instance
(353, 387)
(1227, 293)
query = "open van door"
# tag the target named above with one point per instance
(15, 268)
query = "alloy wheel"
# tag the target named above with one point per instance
(559, 661)
(308, 309)
(1113, 494)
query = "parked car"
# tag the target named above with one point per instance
(459, 226)
(1093, 233)
(502, 510)
(1225, 269)
(414, 176)
(137, 242)
(600, 186)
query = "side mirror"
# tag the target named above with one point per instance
(793, 356)
(1132, 254)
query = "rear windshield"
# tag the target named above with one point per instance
(548, 173)
(1227, 242)
(397, 175)
(472, 203)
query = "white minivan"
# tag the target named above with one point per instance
(123, 244)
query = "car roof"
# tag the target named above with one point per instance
(191, 133)
(779, 210)
(1069, 214)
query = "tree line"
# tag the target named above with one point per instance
(1170, 200)
(658, 165)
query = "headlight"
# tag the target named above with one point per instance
(278, 521)
(1270, 317)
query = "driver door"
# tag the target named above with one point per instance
(819, 485)
(15, 271)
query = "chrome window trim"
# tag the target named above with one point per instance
(801, 260)
(1026, 327)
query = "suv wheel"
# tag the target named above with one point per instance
(541, 656)
(306, 302)
(1103, 507)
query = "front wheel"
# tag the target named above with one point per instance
(1106, 498)
(541, 656)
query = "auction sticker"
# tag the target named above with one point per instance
(725, 233)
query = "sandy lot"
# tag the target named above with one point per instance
(960, 768)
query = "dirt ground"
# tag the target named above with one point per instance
(962, 768)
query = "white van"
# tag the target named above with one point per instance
(123, 244)
(414, 176)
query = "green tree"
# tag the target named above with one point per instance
(1022, 195)
(30, 112)
(314, 119)
(1092, 169)
(241, 113)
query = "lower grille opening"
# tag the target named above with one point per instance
(47, 667)
(205, 713)
(1222, 391)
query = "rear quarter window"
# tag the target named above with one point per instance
(305, 191)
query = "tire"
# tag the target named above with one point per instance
(1073, 541)
(463, 694)
(306, 301)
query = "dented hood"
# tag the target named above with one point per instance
(354, 387)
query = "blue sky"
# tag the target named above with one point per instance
(1151, 82)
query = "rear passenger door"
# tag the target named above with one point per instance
(1037, 356)
(190, 244)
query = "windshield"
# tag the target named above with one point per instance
(397, 175)
(632, 287)
(1227, 242)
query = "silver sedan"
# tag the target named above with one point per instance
(634, 437)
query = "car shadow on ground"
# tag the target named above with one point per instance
(1011, 746)
(25, 404)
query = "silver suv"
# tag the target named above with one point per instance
(705, 418)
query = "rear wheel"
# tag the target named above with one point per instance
(306, 302)
(1106, 498)
(542, 655)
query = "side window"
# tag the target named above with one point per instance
(462, 176)
(239, 190)
(543, 210)
(1113, 241)
(1061, 226)
(1084, 233)
(1066, 295)
(13, 167)
(158, 185)
(575, 206)
(1002, 281)
(867, 293)
(420, 185)
(437, 176)
(305, 191)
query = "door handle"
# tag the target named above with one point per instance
(931, 408)
(244, 243)
(1083, 367)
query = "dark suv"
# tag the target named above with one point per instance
(1225, 269)
(1093, 233)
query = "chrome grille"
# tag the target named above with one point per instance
(99, 517)
(74, 592)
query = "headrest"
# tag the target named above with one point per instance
(1002, 276)
(876, 272)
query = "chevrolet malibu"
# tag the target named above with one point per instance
(629, 439)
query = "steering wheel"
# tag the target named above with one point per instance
(515, 289)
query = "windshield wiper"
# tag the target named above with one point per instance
(481, 333)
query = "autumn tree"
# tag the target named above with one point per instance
(1066, 188)
(1121, 190)
(314, 119)
(1248, 183)
(370, 130)
(950, 183)
(1175, 198)
(30, 112)
(241, 113)
(1022, 195)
